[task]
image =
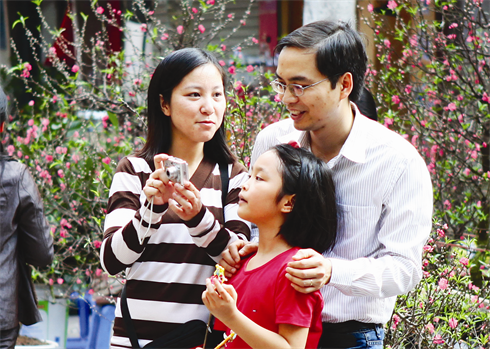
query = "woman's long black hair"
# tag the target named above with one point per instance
(312, 223)
(168, 74)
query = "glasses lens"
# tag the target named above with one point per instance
(296, 90)
(277, 87)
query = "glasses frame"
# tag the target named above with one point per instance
(275, 84)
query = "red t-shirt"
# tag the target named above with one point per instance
(266, 297)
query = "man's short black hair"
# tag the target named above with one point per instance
(339, 50)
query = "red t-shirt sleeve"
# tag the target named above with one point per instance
(293, 307)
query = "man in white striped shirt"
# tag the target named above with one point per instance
(383, 187)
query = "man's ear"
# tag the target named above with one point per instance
(346, 83)
(2, 126)
(164, 106)
(287, 203)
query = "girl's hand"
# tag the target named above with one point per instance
(220, 299)
(158, 186)
(185, 201)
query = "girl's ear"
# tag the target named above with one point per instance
(346, 82)
(287, 203)
(165, 107)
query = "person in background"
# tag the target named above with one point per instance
(167, 235)
(383, 187)
(25, 237)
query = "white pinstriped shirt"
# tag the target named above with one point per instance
(384, 196)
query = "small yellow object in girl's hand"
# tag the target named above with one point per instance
(219, 274)
(230, 338)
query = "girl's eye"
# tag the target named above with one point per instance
(257, 178)
(218, 94)
(194, 94)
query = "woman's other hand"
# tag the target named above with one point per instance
(185, 201)
(231, 257)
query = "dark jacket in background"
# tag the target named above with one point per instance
(24, 238)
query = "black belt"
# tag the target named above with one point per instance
(348, 326)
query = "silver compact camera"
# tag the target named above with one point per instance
(176, 170)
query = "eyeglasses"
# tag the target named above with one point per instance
(295, 89)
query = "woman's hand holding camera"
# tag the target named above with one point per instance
(184, 199)
(158, 186)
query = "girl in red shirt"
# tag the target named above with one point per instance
(287, 196)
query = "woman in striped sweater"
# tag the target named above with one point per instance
(166, 236)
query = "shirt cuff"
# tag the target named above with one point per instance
(342, 275)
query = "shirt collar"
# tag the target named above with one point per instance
(354, 148)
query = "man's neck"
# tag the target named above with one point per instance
(327, 142)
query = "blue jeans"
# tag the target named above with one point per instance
(366, 338)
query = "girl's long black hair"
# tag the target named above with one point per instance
(312, 223)
(168, 74)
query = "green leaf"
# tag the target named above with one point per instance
(113, 119)
(22, 20)
(37, 2)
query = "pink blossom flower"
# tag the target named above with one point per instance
(106, 160)
(387, 43)
(61, 174)
(10, 149)
(451, 106)
(98, 272)
(370, 8)
(51, 282)
(222, 63)
(465, 261)
(144, 27)
(428, 248)
(201, 28)
(396, 320)
(277, 98)
(392, 5)
(443, 283)
(453, 25)
(180, 29)
(79, 281)
(150, 13)
(131, 93)
(194, 10)
(91, 291)
(408, 89)
(28, 66)
(49, 158)
(31, 103)
(210, 2)
(164, 36)
(250, 68)
(100, 10)
(486, 97)
(395, 99)
(137, 81)
(453, 323)
(97, 243)
(466, 172)
(75, 68)
(430, 327)
(231, 15)
(30, 122)
(438, 339)
(232, 70)
(223, 47)
(255, 41)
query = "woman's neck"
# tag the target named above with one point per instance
(191, 153)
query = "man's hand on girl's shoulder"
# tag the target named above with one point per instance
(231, 257)
(309, 271)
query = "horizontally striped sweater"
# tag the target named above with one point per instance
(166, 273)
